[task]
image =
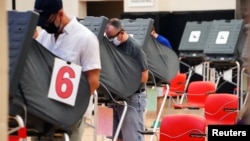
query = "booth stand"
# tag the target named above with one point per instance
(191, 50)
(223, 49)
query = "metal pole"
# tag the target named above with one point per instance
(121, 121)
(96, 115)
(160, 112)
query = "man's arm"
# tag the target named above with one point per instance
(163, 41)
(141, 57)
(144, 77)
(93, 79)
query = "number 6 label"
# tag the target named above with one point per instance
(64, 82)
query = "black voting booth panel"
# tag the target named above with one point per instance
(193, 42)
(194, 39)
(34, 87)
(43, 115)
(162, 61)
(95, 24)
(21, 27)
(140, 29)
(225, 40)
(223, 50)
(120, 73)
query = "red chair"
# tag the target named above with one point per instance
(177, 87)
(197, 93)
(183, 127)
(221, 108)
(177, 84)
(20, 130)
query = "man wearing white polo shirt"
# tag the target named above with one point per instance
(71, 41)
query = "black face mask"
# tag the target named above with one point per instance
(51, 28)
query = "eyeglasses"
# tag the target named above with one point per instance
(112, 37)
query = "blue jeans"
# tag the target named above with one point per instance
(134, 118)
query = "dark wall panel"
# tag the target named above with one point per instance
(108, 9)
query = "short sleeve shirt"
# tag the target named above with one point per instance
(133, 49)
(77, 44)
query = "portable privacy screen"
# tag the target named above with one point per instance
(192, 45)
(140, 29)
(224, 47)
(34, 89)
(120, 73)
(95, 24)
(225, 40)
(30, 74)
(21, 27)
(162, 61)
(194, 39)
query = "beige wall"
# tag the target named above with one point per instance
(78, 7)
(182, 5)
(155, 7)
(3, 72)
(72, 7)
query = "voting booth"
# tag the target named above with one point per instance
(162, 61)
(120, 74)
(224, 49)
(43, 87)
(191, 49)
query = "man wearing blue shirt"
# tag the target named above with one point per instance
(164, 41)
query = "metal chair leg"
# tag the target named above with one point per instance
(66, 137)
(160, 111)
(121, 121)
